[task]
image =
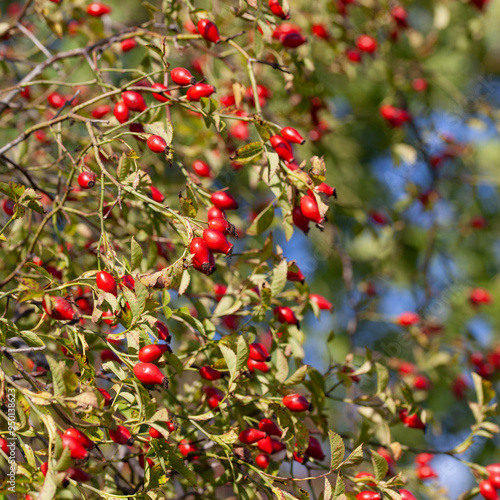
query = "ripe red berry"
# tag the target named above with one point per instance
(412, 421)
(86, 180)
(208, 30)
(493, 468)
(44, 468)
(325, 188)
(408, 318)
(320, 31)
(495, 480)
(4, 446)
(56, 100)
(106, 283)
(296, 402)
(419, 84)
(121, 112)
(269, 427)
(108, 355)
(182, 77)
(480, 296)
(101, 111)
(262, 460)
(203, 258)
(150, 374)
(310, 210)
(222, 225)
(80, 437)
(400, 15)
(209, 373)
(423, 458)
(396, 117)
(8, 206)
(425, 472)
(107, 397)
(361, 475)
(163, 333)
(314, 449)
(121, 435)
(353, 55)
(217, 242)
(291, 135)
(285, 315)
(196, 92)
(251, 436)
(223, 201)
(488, 491)
(368, 495)
(187, 448)
(152, 352)
(128, 282)
(97, 9)
(265, 445)
(77, 451)
(163, 96)
(282, 147)
(134, 100)
(214, 396)
(201, 168)
(77, 475)
(128, 44)
(292, 40)
(366, 43)
(60, 309)
(257, 365)
(157, 144)
(156, 195)
(300, 220)
(406, 495)
(258, 352)
(154, 433)
(276, 8)
(321, 302)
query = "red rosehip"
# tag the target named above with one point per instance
(156, 195)
(208, 30)
(480, 296)
(157, 144)
(128, 282)
(361, 475)
(150, 374)
(300, 220)
(282, 147)
(196, 92)
(77, 475)
(285, 315)
(321, 302)
(56, 100)
(353, 55)
(186, 448)
(257, 365)
(107, 397)
(152, 352)
(121, 435)
(8, 206)
(251, 436)
(222, 225)
(86, 180)
(101, 111)
(295, 276)
(276, 8)
(162, 330)
(128, 44)
(258, 352)
(310, 210)
(400, 15)
(314, 449)
(269, 427)
(217, 242)
(182, 77)
(209, 373)
(163, 96)
(134, 100)
(4, 446)
(202, 260)
(423, 458)
(425, 472)
(292, 40)
(97, 9)
(320, 31)
(223, 201)
(121, 112)
(60, 309)
(108, 355)
(106, 283)
(296, 403)
(406, 495)
(495, 480)
(291, 135)
(43, 468)
(419, 84)
(366, 43)
(422, 383)
(262, 460)
(408, 319)
(80, 437)
(214, 396)
(201, 168)
(412, 421)
(368, 495)
(493, 468)
(77, 451)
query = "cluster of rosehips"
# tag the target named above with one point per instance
(488, 488)
(423, 468)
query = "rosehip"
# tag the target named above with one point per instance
(258, 352)
(251, 436)
(134, 100)
(300, 220)
(163, 96)
(408, 319)
(182, 77)
(128, 44)
(262, 460)
(86, 180)
(292, 40)
(97, 9)
(157, 144)
(400, 15)
(310, 210)
(186, 448)
(480, 296)
(121, 112)
(108, 355)
(314, 449)
(291, 135)
(60, 309)
(44, 468)
(56, 100)
(282, 147)
(223, 201)
(285, 315)
(203, 258)
(423, 458)
(152, 352)
(77, 451)
(214, 396)
(80, 437)
(121, 435)
(366, 43)
(163, 333)
(107, 397)
(426, 472)
(412, 421)
(209, 373)
(4, 446)
(361, 475)
(77, 475)
(208, 30)
(106, 283)
(216, 213)
(276, 8)
(353, 55)
(128, 282)
(217, 242)
(493, 468)
(295, 276)
(150, 374)
(101, 111)
(296, 402)
(406, 495)
(196, 92)
(368, 495)
(257, 365)
(321, 302)
(320, 31)
(269, 427)
(201, 168)
(222, 225)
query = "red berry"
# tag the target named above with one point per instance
(361, 475)
(258, 352)
(300, 220)
(493, 468)
(353, 55)
(128, 281)
(276, 8)
(80, 437)
(121, 112)
(423, 458)
(495, 480)
(121, 435)
(412, 421)
(408, 318)
(128, 44)
(208, 30)
(163, 96)
(285, 315)
(296, 402)
(314, 449)
(157, 144)
(150, 374)
(86, 180)
(44, 467)
(368, 495)
(56, 100)
(270, 428)
(251, 436)
(406, 495)
(262, 460)
(196, 92)
(366, 43)
(101, 111)
(278, 446)
(107, 397)
(182, 77)
(257, 365)
(97, 9)
(223, 201)
(292, 40)
(60, 309)
(203, 258)
(419, 84)
(480, 296)
(214, 396)
(152, 352)
(282, 147)
(209, 373)
(108, 355)
(163, 333)
(295, 276)
(77, 475)
(4, 446)
(291, 135)
(310, 210)
(425, 472)
(320, 31)
(77, 451)
(187, 448)
(106, 283)
(222, 225)
(156, 195)
(395, 116)
(134, 100)
(154, 433)
(201, 168)
(217, 242)
(321, 302)
(400, 15)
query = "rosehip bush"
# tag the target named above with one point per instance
(248, 250)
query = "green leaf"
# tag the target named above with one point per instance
(281, 366)
(155, 49)
(382, 377)
(278, 280)
(317, 170)
(247, 153)
(327, 490)
(56, 371)
(380, 465)
(262, 221)
(64, 460)
(230, 358)
(298, 376)
(339, 487)
(135, 254)
(241, 353)
(31, 338)
(337, 449)
(262, 127)
(187, 206)
(355, 458)
(175, 362)
(177, 463)
(185, 280)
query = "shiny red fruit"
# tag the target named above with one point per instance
(56, 100)
(493, 468)
(128, 281)
(101, 111)
(320, 31)
(368, 495)
(162, 330)
(406, 495)
(80, 437)
(128, 44)
(186, 448)
(257, 365)
(217, 242)
(223, 201)
(77, 475)
(108, 355)
(296, 402)
(97, 9)
(310, 210)
(156, 195)
(270, 427)
(134, 100)
(292, 40)
(150, 374)
(366, 43)
(325, 188)
(121, 112)
(86, 180)
(182, 77)
(425, 472)
(400, 15)
(258, 352)
(314, 449)
(157, 144)
(107, 397)
(203, 258)
(155, 434)
(208, 30)
(282, 147)
(480, 296)
(196, 92)
(152, 352)
(214, 396)
(106, 283)
(353, 55)
(163, 96)
(408, 318)
(412, 421)
(291, 135)
(215, 213)
(300, 220)
(251, 436)
(201, 168)
(276, 8)
(60, 309)
(285, 315)
(222, 225)
(209, 373)
(488, 490)
(43, 468)
(262, 460)
(4, 446)
(321, 302)
(8, 206)
(77, 451)
(423, 458)
(121, 435)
